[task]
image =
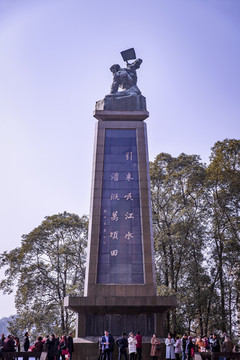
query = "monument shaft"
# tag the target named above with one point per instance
(120, 248)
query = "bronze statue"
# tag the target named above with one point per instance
(124, 94)
(125, 79)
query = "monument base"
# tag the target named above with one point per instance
(131, 102)
(120, 314)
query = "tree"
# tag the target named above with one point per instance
(49, 265)
(176, 187)
(196, 219)
(223, 198)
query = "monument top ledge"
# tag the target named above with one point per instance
(125, 95)
(121, 115)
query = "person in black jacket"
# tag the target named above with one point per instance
(26, 342)
(53, 345)
(70, 345)
(215, 346)
(189, 347)
(122, 344)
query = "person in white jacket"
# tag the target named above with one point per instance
(170, 351)
(132, 342)
(177, 348)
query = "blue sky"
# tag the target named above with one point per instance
(55, 59)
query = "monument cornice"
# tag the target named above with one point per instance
(121, 115)
(121, 304)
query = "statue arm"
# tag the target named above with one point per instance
(135, 65)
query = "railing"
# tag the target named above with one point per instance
(42, 355)
(216, 355)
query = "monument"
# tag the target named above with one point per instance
(120, 285)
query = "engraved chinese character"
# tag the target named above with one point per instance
(114, 197)
(114, 252)
(128, 196)
(114, 216)
(129, 177)
(129, 235)
(115, 176)
(128, 155)
(114, 235)
(129, 215)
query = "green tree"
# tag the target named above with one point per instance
(49, 265)
(223, 198)
(177, 187)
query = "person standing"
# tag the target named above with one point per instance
(205, 338)
(177, 346)
(215, 346)
(183, 346)
(223, 337)
(70, 345)
(63, 347)
(1, 344)
(107, 344)
(100, 348)
(210, 341)
(2, 339)
(53, 344)
(227, 345)
(17, 343)
(39, 344)
(122, 344)
(139, 345)
(155, 347)
(201, 345)
(189, 349)
(8, 345)
(132, 342)
(170, 352)
(26, 342)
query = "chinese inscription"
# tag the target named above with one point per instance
(120, 259)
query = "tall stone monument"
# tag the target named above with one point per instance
(120, 285)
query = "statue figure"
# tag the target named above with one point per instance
(124, 94)
(125, 79)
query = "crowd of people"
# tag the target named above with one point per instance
(185, 347)
(55, 346)
(130, 347)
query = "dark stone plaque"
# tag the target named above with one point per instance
(120, 258)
